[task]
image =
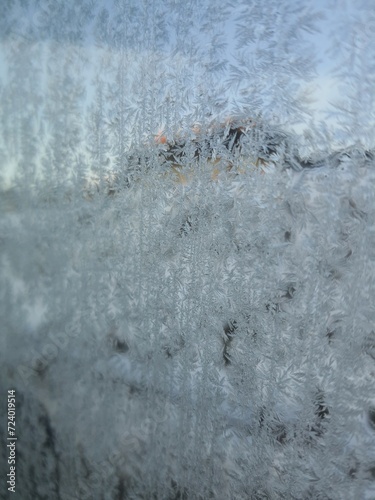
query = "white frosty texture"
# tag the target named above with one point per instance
(214, 340)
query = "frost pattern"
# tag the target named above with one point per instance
(186, 298)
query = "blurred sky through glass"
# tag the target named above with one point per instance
(344, 25)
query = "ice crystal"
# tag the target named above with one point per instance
(186, 287)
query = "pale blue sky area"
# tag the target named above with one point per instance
(323, 85)
(348, 26)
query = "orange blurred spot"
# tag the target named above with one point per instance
(160, 138)
(215, 174)
(180, 177)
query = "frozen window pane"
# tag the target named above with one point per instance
(187, 249)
